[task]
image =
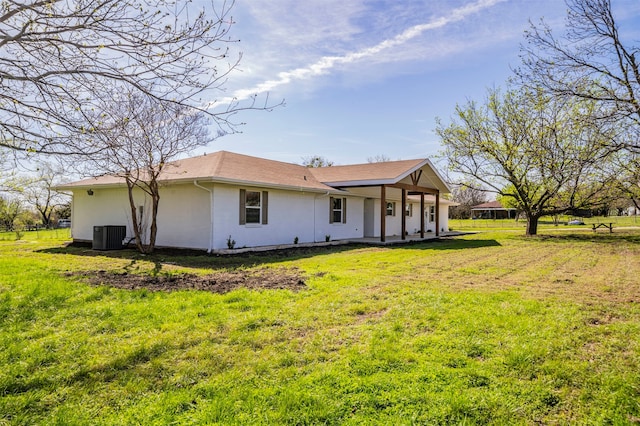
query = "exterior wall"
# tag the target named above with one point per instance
(444, 217)
(104, 207)
(413, 221)
(183, 217)
(290, 214)
(394, 223)
(183, 214)
(353, 228)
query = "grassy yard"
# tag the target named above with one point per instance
(546, 223)
(491, 328)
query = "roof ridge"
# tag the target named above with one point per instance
(220, 160)
(370, 164)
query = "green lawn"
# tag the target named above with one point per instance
(546, 223)
(491, 328)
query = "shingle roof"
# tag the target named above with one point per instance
(388, 170)
(224, 166)
(384, 173)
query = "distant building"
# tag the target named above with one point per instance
(492, 210)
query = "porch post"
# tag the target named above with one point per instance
(437, 213)
(404, 213)
(422, 215)
(383, 212)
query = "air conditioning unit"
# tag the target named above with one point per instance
(108, 237)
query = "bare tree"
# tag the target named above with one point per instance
(10, 209)
(380, 158)
(628, 183)
(38, 191)
(467, 196)
(316, 161)
(592, 61)
(541, 152)
(137, 139)
(57, 56)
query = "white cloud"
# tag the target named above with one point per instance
(318, 27)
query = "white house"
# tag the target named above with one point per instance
(208, 199)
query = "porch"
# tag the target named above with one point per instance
(397, 239)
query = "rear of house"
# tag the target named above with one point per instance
(208, 201)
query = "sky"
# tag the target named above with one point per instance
(367, 78)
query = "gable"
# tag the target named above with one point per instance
(419, 172)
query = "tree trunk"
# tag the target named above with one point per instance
(532, 225)
(155, 197)
(137, 232)
(46, 218)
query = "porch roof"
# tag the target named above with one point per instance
(383, 173)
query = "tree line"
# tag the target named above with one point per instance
(29, 200)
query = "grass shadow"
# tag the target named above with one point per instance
(116, 368)
(583, 237)
(449, 243)
(200, 259)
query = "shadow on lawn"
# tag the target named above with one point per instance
(200, 259)
(115, 368)
(592, 237)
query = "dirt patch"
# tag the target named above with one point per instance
(221, 282)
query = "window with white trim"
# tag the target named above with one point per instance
(409, 210)
(337, 210)
(432, 213)
(391, 208)
(253, 207)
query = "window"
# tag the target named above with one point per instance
(253, 207)
(337, 210)
(391, 209)
(432, 213)
(409, 210)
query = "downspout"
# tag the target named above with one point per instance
(210, 191)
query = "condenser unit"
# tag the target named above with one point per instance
(108, 237)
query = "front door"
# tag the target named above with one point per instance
(369, 217)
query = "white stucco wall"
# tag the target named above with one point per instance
(413, 222)
(291, 214)
(393, 224)
(183, 214)
(183, 217)
(104, 207)
(354, 226)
